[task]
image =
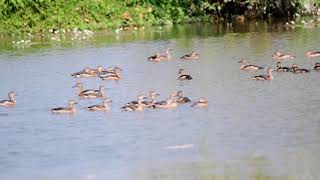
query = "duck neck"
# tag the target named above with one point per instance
(71, 106)
(79, 89)
(270, 74)
(140, 105)
(278, 64)
(167, 52)
(12, 98)
(242, 65)
(172, 98)
(153, 99)
(105, 104)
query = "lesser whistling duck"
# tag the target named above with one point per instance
(201, 103)
(11, 101)
(154, 58)
(100, 70)
(167, 55)
(248, 67)
(134, 107)
(168, 103)
(278, 56)
(152, 99)
(80, 90)
(65, 110)
(317, 66)
(93, 94)
(295, 69)
(264, 77)
(111, 76)
(100, 107)
(182, 76)
(192, 56)
(282, 69)
(86, 72)
(311, 54)
(181, 99)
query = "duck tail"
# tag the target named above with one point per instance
(260, 67)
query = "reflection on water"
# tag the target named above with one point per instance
(250, 130)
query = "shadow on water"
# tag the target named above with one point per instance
(184, 32)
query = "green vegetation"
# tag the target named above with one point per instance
(21, 16)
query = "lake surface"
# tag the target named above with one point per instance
(250, 130)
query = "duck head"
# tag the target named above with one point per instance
(181, 71)
(203, 100)
(71, 103)
(243, 61)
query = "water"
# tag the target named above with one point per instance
(250, 130)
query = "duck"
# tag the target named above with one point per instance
(109, 71)
(92, 94)
(278, 56)
(100, 107)
(86, 72)
(134, 107)
(65, 110)
(80, 90)
(182, 76)
(311, 54)
(202, 102)
(100, 70)
(192, 56)
(295, 69)
(154, 58)
(148, 104)
(265, 77)
(245, 67)
(167, 55)
(111, 76)
(11, 101)
(282, 69)
(181, 99)
(168, 103)
(317, 67)
(117, 68)
(152, 99)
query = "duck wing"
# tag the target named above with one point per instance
(128, 108)
(98, 106)
(187, 56)
(59, 109)
(89, 91)
(152, 57)
(304, 70)
(251, 66)
(261, 77)
(132, 103)
(185, 77)
(77, 73)
(4, 101)
(283, 69)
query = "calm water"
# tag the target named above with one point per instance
(250, 130)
